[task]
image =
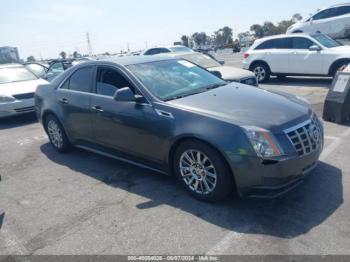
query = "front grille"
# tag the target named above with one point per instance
(306, 137)
(24, 96)
(249, 81)
(25, 109)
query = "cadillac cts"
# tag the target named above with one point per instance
(174, 117)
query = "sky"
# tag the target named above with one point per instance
(44, 28)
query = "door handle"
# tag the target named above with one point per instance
(64, 101)
(97, 108)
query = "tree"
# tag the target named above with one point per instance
(227, 34)
(297, 17)
(258, 30)
(200, 38)
(185, 40)
(63, 55)
(31, 59)
(76, 54)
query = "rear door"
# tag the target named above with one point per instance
(276, 54)
(302, 60)
(74, 97)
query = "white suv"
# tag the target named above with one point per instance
(333, 21)
(296, 54)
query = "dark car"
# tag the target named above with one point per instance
(174, 117)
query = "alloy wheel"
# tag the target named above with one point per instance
(260, 73)
(55, 133)
(198, 172)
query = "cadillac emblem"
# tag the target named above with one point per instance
(314, 133)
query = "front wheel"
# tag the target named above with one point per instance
(262, 72)
(202, 171)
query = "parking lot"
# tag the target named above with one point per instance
(82, 203)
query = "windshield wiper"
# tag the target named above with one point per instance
(213, 86)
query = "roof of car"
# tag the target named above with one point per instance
(337, 5)
(10, 66)
(260, 40)
(133, 60)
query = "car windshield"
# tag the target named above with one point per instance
(326, 41)
(201, 60)
(180, 49)
(173, 79)
(15, 74)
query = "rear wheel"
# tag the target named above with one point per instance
(57, 136)
(261, 71)
(202, 171)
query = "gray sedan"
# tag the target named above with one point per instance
(174, 117)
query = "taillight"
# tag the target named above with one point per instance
(245, 55)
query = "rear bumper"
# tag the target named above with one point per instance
(16, 107)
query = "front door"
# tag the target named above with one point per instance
(302, 60)
(129, 127)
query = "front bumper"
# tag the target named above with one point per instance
(271, 179)
(16, 107)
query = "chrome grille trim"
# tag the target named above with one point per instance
(302, 137)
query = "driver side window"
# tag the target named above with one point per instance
(109, 81)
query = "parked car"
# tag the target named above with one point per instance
(162, 50)
(174, 117)
(227, 73)
(58, 66)
(296, 54)
(333, 21)
(17, 87)
(38, 68)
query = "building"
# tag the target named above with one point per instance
(9, 54)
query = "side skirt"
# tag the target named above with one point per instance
(120, 159)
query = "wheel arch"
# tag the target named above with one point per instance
(336, 63)
(259, 62)
(181, 140)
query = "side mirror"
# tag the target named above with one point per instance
(126, 95)
(315, 48)
(217, 73)
(221, 62)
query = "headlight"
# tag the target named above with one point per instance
(4, 99)
(263, 142)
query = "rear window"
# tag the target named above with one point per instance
(280, 43)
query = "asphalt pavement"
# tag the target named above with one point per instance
(82, 203)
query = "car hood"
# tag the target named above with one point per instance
(230, 73)
(345, 49)
(22, 87)
(249, 106)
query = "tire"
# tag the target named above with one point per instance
(209, 179)
(261, 71)
(56, 134)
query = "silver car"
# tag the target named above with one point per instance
(17, 88)
(227, 73)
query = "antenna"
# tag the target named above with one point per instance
(90, 52)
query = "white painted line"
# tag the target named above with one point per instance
(331, 137)
(334, 145)
(226, 242)
(13, 245)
